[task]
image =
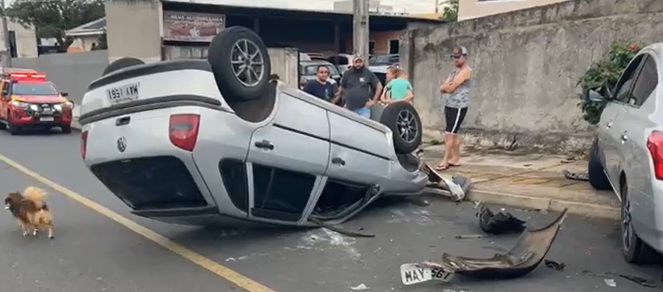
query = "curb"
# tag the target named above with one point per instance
(545, 204)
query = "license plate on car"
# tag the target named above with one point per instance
(416, 273)
(46, 119)
(124, 93)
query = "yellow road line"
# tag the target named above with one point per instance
(212, 266)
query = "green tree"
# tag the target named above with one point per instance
(450, 11)
(51, 18)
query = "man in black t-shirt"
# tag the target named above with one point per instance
(360, 88)
(321, 88)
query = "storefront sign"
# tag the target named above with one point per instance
(191, 26)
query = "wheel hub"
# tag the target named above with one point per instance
(627, 229)
(247, 62)
(407, 126)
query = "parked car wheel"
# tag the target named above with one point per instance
(240, 64)
(121, 64)
(634, 249)
(597, 178)
(66, 129)
(404, 122)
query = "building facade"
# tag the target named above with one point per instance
(468, 9)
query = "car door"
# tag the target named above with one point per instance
(288, 159)
(634, 124)
(4, 99)
(609, 132)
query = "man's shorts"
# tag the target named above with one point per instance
(454, 117)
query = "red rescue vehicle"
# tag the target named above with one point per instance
(28, 100)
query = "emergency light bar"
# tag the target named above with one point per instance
(27, 76)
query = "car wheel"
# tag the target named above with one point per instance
(597, 178)
(121, 64)
(240, 64)
(405, 124)
(66, 129)
(14, 130)
(634, 249)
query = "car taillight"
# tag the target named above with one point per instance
(83, 143)
(183, 131)
(655, 147)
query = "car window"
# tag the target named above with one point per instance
(33, 89)
(645, 83)
(310, 70)
(623, 88)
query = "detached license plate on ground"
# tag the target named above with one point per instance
(415, 273)
(46, 119)
(124, 93)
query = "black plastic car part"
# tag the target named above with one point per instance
(529, 251)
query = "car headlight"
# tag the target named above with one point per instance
(34, 107)
(58, 107)
(20, 104)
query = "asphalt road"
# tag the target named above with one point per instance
(93, 253)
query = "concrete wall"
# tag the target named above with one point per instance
(526, 65)
(285, 63)
(70, 73)
(134, 29)
(468, 9)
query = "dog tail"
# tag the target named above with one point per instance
(36, 195)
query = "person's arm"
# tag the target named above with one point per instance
(377, 86)
(409, 96)
(337, 96)
(383, 96)
(461, 77)
(344, 84)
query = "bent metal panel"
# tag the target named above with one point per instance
(191, 26)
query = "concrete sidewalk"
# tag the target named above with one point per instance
(533, 181)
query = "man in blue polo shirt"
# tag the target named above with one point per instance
(321, 87)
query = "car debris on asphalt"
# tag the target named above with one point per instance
(580, 176)
(609, 275)
(525, 256)
(557, 266)
(497, 223)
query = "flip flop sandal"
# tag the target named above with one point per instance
(454, 164)
(442, 167)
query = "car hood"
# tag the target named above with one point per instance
(40, 98)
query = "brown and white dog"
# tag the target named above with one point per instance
(30, 210)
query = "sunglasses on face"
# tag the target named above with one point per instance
(456, 57)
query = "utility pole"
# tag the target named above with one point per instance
(360, 32)
(5, 34)
(437, 6)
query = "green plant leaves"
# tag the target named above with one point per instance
(604, 72)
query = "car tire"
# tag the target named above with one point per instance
(14, 130)
(635, 250)
(66, 129)
(596, 175)
(228, 44)
(121, 64)
(404, 122)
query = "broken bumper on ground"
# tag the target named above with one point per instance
(529, 251)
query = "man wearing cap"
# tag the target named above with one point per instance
(360, 88)
(457, 87)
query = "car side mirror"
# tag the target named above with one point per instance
(64, 94)
(594, 96)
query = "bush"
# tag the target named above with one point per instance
(604, 72)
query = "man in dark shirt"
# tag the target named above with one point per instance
(321, 87)
(360, 88)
